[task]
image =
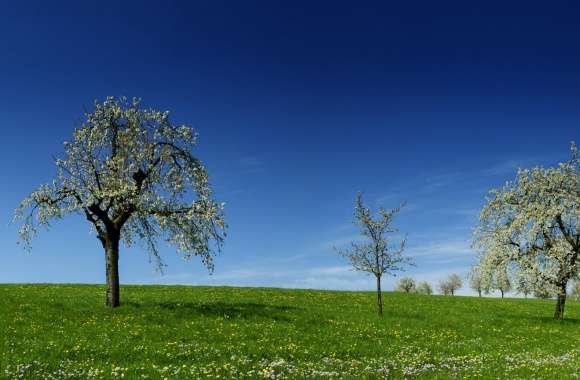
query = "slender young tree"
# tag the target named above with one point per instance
(376, 255)
(131, 173)
(533, 224)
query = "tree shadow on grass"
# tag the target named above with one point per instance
(221, 309)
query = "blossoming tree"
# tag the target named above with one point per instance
(131, 173)
(533, 225)
(525, 284)
(375, 255)
(501, 281)
(424, 288)
(478, 281)
(406, 285)
(450, 285)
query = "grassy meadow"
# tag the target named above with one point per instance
(178, 332)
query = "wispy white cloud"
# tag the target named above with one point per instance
(251, 164)
(511, 165)
(392, 198)
(442, 250)
(357, 281)
(340, 242)
(333, 270)
(338, 277)
(466, 211)
(502, 168)
(428, 183)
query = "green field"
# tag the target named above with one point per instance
(175, 332)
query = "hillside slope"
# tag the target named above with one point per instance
(64, 331)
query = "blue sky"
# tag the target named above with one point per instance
(298, 106)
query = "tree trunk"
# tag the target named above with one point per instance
(379, 296)
(479, 292)
(560, 303)
(112, 262)
(501, 291)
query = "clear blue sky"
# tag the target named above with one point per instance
(298, 106)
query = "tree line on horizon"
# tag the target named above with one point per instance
(131, 173)
(502, 284)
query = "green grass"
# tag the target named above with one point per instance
(64, 331)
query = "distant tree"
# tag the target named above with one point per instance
(501, 281)
(375, 255)
(131, 173)
(424, 288)
(533, 224)
(494, 276)
(450, 285)
(525, 284)
(406, 285)
(543, 293)
(477, 281)
(444, 288)
(575, 291)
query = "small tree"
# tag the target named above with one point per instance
(501, 281)
(375, 256)
(450, 285)
(524, 284)
(494, 276)
(131, 173)
(406, 285)
(424, 288)
(477, 281)
(533, 224)
(575, 291)
(543, 293)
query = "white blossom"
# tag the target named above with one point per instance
(130, 170)
(531, 225)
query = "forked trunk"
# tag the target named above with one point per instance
(112, 262)
(379, 296)
(560, 304)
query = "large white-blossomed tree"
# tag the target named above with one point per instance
(532, 225)
(131, 173)
(376, 255)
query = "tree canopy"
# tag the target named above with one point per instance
(532, 224)
(131, 173)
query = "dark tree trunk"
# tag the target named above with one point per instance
(112, 270)
(501, 291)
(479, 292)
(560, 303)
(379, 296)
